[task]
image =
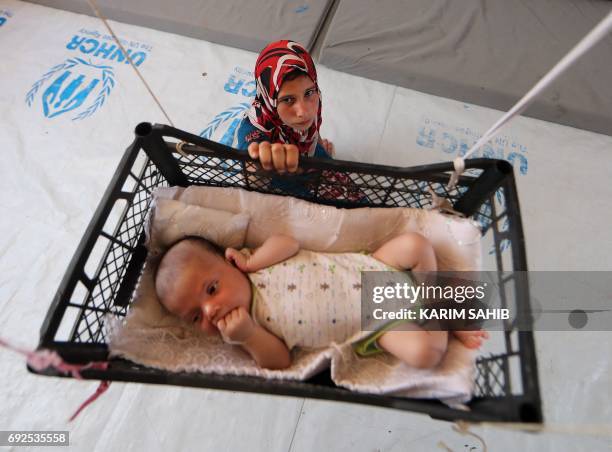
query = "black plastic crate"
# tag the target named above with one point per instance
(105, 269)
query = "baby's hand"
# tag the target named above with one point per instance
(279, 156)
(238, 259)
(237, 326)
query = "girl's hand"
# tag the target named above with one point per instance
(238, 259)
(329, 147)
(279, 156)
(236, 327)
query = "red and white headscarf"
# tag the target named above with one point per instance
(273, 64)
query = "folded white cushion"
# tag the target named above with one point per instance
(170, 221)
(324, 228)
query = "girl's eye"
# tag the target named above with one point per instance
(287, 100)
(212, 288)
(310, 92)
(196, 318)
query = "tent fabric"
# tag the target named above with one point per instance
(235, 23)
(487, 53)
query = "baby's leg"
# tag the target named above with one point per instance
(409, 251)
(418, 348)
(412, 251)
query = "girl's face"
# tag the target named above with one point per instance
(298, 102)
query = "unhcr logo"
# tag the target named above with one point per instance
(67, 86)
(80, 86)
(4, 16)
(223, 126)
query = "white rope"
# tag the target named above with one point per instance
(94, 7)
(580, 49)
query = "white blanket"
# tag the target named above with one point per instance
(151, 336)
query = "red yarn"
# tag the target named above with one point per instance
(42, 359)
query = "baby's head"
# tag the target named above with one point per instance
(195, 282)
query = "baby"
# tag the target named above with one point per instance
(279, 296)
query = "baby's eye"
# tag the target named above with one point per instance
(212, 289)
(197, 318)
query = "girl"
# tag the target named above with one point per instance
(284, 120)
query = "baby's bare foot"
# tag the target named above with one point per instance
(471, 339)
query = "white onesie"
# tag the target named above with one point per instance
(312, 299)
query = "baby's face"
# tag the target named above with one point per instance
(205, 288)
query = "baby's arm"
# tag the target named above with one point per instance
(275, 249)
(265, 348)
